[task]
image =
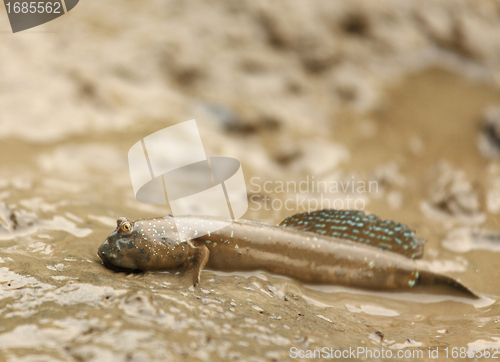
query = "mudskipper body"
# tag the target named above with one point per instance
(340, 247)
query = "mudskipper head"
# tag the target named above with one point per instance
(115, 251)
(148, 244)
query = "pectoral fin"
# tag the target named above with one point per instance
(200, 254)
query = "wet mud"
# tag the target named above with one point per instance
(404, 99)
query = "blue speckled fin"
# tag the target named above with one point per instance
(355, 226)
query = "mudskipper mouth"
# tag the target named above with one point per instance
(115, 268)
(105, 261)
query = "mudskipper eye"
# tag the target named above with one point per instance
(126, 227)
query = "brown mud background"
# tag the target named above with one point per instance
(353, 91)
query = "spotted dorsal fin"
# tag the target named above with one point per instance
(354, 225)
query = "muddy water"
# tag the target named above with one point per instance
(59, 201)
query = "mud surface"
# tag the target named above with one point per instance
(403, 95)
